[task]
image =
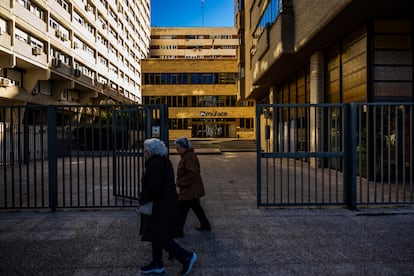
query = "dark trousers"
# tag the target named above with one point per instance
(194, 204)
(172, 248)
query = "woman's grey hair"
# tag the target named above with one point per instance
(183, 142)
(155, 146)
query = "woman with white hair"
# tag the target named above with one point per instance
(163, 225)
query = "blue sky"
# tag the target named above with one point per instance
(189, 13)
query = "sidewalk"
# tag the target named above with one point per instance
(245, 240)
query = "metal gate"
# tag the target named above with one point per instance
(84, 156)
(335, 154)
(133, 126)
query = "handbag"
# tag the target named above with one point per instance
(145, 209)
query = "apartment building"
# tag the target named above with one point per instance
(194, 71)
(72, 52)
(326, 51)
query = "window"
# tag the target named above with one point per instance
(63, 3)
(178, 123)
(32, 8)
(190, 78)
(3, 26)
(85, 70)
(112, 68)
(27, 38)
(269, 17)
(246, 122)
(103, 61)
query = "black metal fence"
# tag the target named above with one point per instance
(88, 156)
(80, 156)
(335, 154)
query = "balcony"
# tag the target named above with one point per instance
(28, 20)
(275, 43)
(36, 55)
(5, 41)
(58, 11)
(59, 66)
(102, 69)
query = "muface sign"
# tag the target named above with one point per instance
(213, 113)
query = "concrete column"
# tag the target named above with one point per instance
(272, 95)
(317, 77)
(59, 87)
(271, 121)
(317, 85)
(31, 78)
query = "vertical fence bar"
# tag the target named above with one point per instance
(52, 156)
(382, 154)
(411, 148)
(403, 152)
(11, 154)
(258, 156)
(375, 146)
(164, 123)
(114, 156)
(349, 156)
(108, 147)
(411, 118)
(368, 149)
(19, 156)
(3, 157)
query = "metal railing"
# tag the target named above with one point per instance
(384, 153)
(335, 154)
(91, 156)
(75, 156)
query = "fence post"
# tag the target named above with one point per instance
(349, 176)
(164, 124)
(258, 156)
(148, 122)
(52, 156)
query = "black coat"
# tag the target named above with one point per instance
(158, 186)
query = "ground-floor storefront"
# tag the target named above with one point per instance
(230, 122)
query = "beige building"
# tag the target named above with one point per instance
(72, 52)
(195, 72)
(326, 51)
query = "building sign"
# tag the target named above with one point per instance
(213, 113)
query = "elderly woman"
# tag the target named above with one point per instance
(190, 184)
(163, 225)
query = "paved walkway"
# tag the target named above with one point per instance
(245, 240)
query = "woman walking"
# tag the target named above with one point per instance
(190, 184)
(163, 225)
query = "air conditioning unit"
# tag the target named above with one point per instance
(65, 37)
(88, 7)
(77, 73)
(36, 51)
(4, 82)
(56, 62)
(58, 33)
(63, 96)
(104, 26)
(75, 45)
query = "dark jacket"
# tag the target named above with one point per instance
(158, 187)
(189, 176)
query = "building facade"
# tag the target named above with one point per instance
(194, 71)
(325, 51)
(72, 52)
